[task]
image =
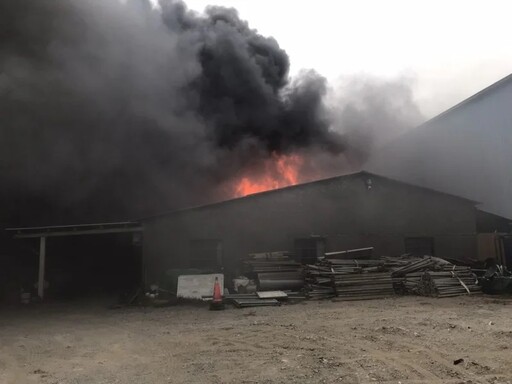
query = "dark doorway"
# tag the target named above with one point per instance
(419, 246)
(86, 266)
(308, 250)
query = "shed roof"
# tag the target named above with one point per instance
(75, 230)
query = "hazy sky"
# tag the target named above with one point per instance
(453, 48)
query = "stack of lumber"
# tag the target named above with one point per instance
(348, 279)
(431, 276)
(372, 279)
(410, 283)
(427, 263)
(449, 282)
(274, 271)
(270, 262)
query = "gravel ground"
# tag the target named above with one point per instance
(399, 340)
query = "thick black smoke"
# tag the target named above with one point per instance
(112, 110)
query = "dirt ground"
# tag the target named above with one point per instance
(399, 340)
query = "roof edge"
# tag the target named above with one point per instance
(470, 99)
(494, 214)
(279, 190)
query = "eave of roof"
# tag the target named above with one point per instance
(75, 230)
(300, 186)
(494, 215)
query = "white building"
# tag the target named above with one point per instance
(465, 151)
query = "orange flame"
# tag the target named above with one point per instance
(280, 171)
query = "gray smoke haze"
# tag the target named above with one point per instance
(370, 112)
(112, 110)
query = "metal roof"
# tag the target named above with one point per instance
(303, 185)
(477, 96)
(76, 230)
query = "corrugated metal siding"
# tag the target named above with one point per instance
(344, 211)
(466, 152)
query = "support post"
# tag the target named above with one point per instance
(42, 261)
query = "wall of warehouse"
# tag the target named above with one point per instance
(343, 210)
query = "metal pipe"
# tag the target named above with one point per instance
(42, 262)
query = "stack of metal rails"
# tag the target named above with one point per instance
(374, 279)
(274, 271)
(348, 280)
(449, 282)
(432, 276)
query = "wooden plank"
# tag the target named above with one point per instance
(255, 302)
(272, 295)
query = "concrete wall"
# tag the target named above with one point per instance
(343, 210)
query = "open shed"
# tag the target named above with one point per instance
(80, 257)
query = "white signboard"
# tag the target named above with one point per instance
(197, 286)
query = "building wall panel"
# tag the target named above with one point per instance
(343, 210)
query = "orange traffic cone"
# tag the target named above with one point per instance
(217, 302)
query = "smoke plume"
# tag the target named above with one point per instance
(112, 110)
(370, 112)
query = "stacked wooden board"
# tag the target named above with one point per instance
(432, 276)
(260, 299)
(373, 279)
(274, 271)
(348, 279)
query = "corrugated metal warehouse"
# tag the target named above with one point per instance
(350, 211)
(465, 151)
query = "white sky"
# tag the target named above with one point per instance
(453, 48)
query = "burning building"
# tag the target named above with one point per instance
(111, 110)
(352, 211)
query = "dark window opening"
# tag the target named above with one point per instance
(206, 253)
(308, 250)
(419, 246)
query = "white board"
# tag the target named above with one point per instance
(197, 286)
(272, 295)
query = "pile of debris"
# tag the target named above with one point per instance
(496, 279)
(432, 276)
(373, 279)
(274, 271)
(274, 277)
(349, 279)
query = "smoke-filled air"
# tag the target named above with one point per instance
(115, 110)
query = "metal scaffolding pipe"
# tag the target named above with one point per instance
(42, 261)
